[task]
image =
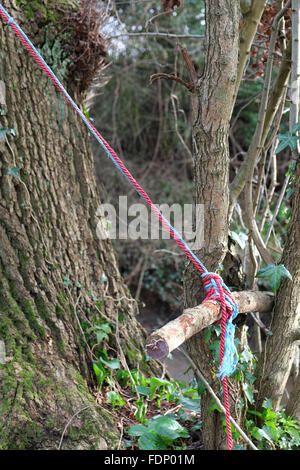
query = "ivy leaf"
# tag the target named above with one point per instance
(14, 171)
(248, 392)
(287, 140)
(263, 434)
(143, 390)
(137, 430)
(240, 238)
(289, 192)
(152, 441)
(168, 427)
(296, 128)
(112, 364)
(267, 403)
(213, 407)
(192, 404)
(4, 131)
(101, 335)
(274, 273)
(66, 281)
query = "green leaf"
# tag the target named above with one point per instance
(200, 387)
(207, 334)
(143, 390)
(262, 432)
(274, 273)
(152, 441)
(112, 364)
(137, 430)
(289, 192)
(99, 372)
(192, 404)
(4, 131)
(213, 407)
(296, 128)
(168, 427)
(246, 355)
(248, 392)
(100, 336)
(197, 426)
(267, 403)
(66, 281)
(240, 238)
(287, 140)
(14, 171)
(115, 399)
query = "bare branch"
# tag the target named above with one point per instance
(157, 35)
(161, 342)
(247, 34)
(256, 145)
(157, 76)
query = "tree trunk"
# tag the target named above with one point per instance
(55, 275)
(216, 89)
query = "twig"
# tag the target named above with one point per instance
(173, 409)
(255, 146)
(121, 434)
(153, 18)
(258, 321)
(279, 201)
(157, 76)
(212, 393)
(123, 358)
(141, 278)
(163, 250)
(159, 35)
(69, 422)
(173, 97)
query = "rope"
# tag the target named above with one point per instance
(213, 283)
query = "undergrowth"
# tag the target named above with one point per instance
(155, 413)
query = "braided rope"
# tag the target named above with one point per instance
(213, 283)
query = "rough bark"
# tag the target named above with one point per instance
(211, 167)
(293, 405)
(51, 265)
(275, 364)
(178, 331)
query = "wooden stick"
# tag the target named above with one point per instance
(218, 402)
(161, 342)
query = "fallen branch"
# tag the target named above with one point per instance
(161, 342)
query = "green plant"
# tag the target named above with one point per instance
(288, 139)
(276, 431)
(274, 274)
(115, 399)
(159, 433)
(4, 132)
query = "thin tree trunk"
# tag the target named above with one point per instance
(216, 89)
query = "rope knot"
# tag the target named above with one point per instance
(216, 290)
